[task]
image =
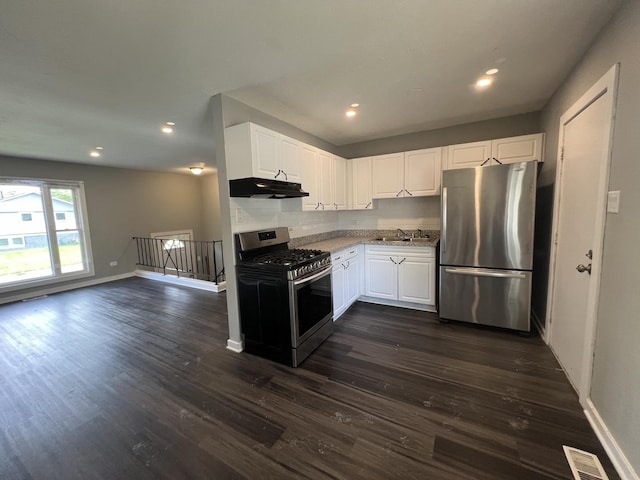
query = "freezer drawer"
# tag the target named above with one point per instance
(501, 298)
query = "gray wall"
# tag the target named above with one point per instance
(468, 132)
(210, 200)
(615, 387)
(121, 203)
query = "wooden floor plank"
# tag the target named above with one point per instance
(132, 380)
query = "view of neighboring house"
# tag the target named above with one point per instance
(22, 221)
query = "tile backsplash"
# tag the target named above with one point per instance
(388, 214)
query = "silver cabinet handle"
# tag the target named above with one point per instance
(335, 206)
(443, 227)
(394, 262)
(337, 258)
(487, 160)
(410, 194)
(278, 174)
(317, 206)
(322, 205)
(367, 205)
(398, 194)
(479, 272)
(400, 262)
(286, 177)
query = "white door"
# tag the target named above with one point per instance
(310, 177)
(289, 154)
(467, 155)
(339, 293)
(361, 183)
(339, 174)
(353, 280)
(517, 149)
(582, 177)
(325, 167)
(265, 151)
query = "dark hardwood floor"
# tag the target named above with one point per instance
(131, 380)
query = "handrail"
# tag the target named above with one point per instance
(198, 259)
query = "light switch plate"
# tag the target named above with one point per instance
(613, 201)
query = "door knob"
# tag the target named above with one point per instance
(584, 268)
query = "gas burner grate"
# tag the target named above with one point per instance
(287, 257)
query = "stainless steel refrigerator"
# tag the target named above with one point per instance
(486, 244)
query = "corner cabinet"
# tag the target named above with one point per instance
(345, 277)
(494, 152)
(255, 151)
(402, 276)
(406, 174)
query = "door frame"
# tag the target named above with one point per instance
(608, 83)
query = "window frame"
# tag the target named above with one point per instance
(82, 225)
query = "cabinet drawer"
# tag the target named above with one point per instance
(392, 250)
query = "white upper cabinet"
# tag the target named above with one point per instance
(325, 184)
(339, 174)
(494, 152)
(289, 156)
(360, 182)
(518, 149)
(468, 154)
(255, 151)
(387, 178)
(310, 177)
(422, 172)
(407, 174)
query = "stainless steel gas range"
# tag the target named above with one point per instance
(284, 296)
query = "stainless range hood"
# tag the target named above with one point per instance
(253, 187)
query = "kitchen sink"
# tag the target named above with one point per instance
(402, 239)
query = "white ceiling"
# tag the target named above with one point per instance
(79, 73)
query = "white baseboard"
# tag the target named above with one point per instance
(617, 456)
(186, 282)
(63, 288)
(235, 346)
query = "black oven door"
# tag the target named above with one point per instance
(310, 305)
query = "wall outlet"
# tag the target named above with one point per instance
(113, 264)
(239, 215)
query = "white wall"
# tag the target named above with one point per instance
(615, 387)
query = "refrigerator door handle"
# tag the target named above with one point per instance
(481, 272)
(443, 227)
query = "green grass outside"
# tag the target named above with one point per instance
(33, 259)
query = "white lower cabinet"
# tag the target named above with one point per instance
(345, 278)
(401, 274)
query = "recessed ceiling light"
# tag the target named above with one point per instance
(94, 153)
(350, 113)
(167, 129)
(196, 170)
(99, 148)
(171, 123)
(492, 71)
(484, 82)
(355, 105)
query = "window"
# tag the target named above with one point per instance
(49, 244)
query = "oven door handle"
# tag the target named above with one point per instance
(322, 273)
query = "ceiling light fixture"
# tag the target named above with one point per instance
(171, 123)
(99, 148)
(355, 105)
(484, 82)
(492, 71)
(167, 129)
(350, 113)
(196, 170)
(94, 154)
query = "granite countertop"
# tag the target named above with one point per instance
(336, 244)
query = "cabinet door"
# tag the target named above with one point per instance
(310, 177)
(416, 279)
(422, 171)
(387, 175)
(352, 280)
(339, 183)
(361, 183)
(265, 152)
(381, 277)
(325, 163)
(290, 159)
(467, 155)
(518, 149)
(339, 290)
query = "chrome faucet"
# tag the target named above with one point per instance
(419, 233)
(400, 232)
